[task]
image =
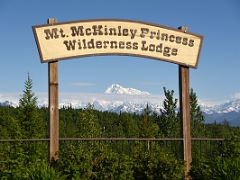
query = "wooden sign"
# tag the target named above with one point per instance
(120, 37)
(117, 37)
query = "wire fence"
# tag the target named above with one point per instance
(201, 147)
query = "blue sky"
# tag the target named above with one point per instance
(217, 77)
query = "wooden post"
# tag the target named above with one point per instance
(185, 115)
(53, 107)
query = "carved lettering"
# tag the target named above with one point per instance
(51, 33)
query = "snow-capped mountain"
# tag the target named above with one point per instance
(227, 107)
(118, 89)
(229, 111)
(130, 107)
(117, 98)
(6, 103)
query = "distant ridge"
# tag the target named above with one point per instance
(117, 98)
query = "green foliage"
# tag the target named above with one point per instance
(147, 126)
(158, 165)
(31, 123)
(229, 170)
(18, 167)
(28, 98)
(217, 168)
(9, 126)
(80, 163)
(129, 125)
(226, 165)
(202, 170)
(76, 162)
(68, 118)
(197, 119)
(110, 165)
(33, 170)
(42, 170)
(219, 130)
(87, 123)
(169, 121)
(112, 159)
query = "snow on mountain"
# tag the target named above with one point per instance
(118, 89)
(228, 111)
(6, 103)
(133, 107)
(9, 99)
(120, 99)
(227, 107)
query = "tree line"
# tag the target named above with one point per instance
(113, 160)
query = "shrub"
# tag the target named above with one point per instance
(43, 171)
(157, 165)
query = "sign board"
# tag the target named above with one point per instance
(117, 37)
(57, 41)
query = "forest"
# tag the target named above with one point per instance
(143, 153)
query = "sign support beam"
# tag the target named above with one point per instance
(57, 41)
(53, 107)
(185, 115)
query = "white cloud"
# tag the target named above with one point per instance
(105, 100)
(236, 95)
(82, 99)
(207, 102)
(213, 102)
(11, 97)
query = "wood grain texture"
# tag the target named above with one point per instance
(147, 39)
(185, 114)
(53, 108)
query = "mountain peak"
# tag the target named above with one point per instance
(118, 89)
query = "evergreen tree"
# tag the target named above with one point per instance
(68, 121)
(147, 127)
(130, 126)
(30, 122)
(9, 127)
(28, 97)
(87, 124)
(169, 122)
(197, 118)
